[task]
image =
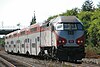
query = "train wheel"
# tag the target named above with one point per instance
(8, 52)
(27, 53)
(18, 52)
(12, 52)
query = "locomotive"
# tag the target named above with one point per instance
(61, 37)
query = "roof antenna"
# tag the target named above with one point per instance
(33, 19)
(34, 16)
(2, 24)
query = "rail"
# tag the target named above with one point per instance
(12, 62)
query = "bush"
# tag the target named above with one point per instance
(90, 52)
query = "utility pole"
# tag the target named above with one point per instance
(2, 24)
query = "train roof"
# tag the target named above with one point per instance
(66, 19)
(17, 31)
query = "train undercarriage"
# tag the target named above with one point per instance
(63, 53)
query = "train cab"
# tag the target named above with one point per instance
(69, 34)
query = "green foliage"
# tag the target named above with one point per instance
(90, 52)
(85, 16)
(2, 42)
(98, 5)
(72, 12)
(87, 6)
(51, 17)
(33, 21)
(94, 30)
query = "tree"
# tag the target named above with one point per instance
(72, 12)
(94, 29)
(94, 32)
(85, 17)
(88, 6)
(98, 5)
(2, 42)
(33, 19)
(51, 17)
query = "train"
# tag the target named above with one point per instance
(62, 38)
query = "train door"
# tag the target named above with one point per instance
(33, 47)
(22, 47)
(37, 40)
(36, 45)
(18, 46)
(27, 46)
(15, 47)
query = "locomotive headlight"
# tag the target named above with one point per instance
(81, 41)
(63, 41)
(78, 41)
(59, 41)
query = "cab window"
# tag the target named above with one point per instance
(70, 26)
(79, 27)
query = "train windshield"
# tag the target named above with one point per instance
(73, 26)
(69, 26)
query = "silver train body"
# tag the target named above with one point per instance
(62, 37)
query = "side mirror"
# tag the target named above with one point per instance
(47, 24)
(52, 28)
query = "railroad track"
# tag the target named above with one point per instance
(22, 61)
(12, 62)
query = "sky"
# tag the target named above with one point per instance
(13, 12)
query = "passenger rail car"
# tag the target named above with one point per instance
(62, 37)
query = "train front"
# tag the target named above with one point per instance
(69, 38)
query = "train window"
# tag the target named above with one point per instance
(12, 42)
(15, 35)
(79, 26)
(14, 45)
(5, 45)
(7, 42)
(18, 41)
(5, 37)
(25, 40)
(70, 26)
(22, 45)
(23, 33)
(10, 36)
(28, 40)
(33, 29)
(73, 26)
(33, 44)
(38, 38)
(66, 26)
(9, 45)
